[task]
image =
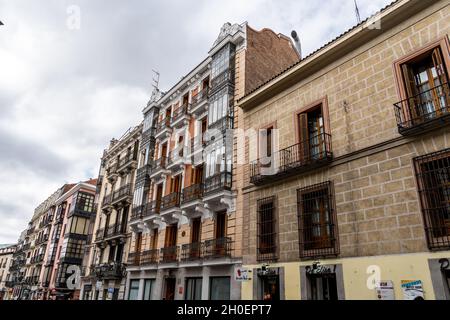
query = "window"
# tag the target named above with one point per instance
(219, 288)
(134, 290)
(267, 235)
(433, 180)
(148, 285)
(193, 289)
(79, 225)
(72, 249)
(323, 287)
(317, 221)
(311, 134)
(216, 161)
(220, 62)
(423, 85)
(218, 108)
(85, 202)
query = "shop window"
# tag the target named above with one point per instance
(193, 289)
(219, 288)
(134, 290)
(148, 286)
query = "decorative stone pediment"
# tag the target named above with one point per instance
(227, 29)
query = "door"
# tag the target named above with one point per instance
(270, 288)
(137, 248)
(323, 287)
(195, 238)
(159, 193)
(169, 293)
(220, 233)
(170, 252)
(163, 154)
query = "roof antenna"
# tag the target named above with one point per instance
(298, 45)
(358, 16)
(155, 79)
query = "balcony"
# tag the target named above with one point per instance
(107, 200)
(163, 129)
(191, 197)
(151, 208)
(180, 116)
(115, 231)
(218, 182)
(134, 259)
(136, 214)
(107, 271)
(304, 156)
(199, 102)
(127, 163)
(159, 168)
(423, 112)
(217, 248)
(170, 202)
(177, 161)
(149, 257)
(191, 251)
(169, 255)
(123, 196)
(196, 152)
(99, 234)
(111, 173)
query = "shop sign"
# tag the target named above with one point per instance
(241, 274)
(412, 290)
(385, 290)
(318, 269)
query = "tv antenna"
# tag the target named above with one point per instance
(155, 79)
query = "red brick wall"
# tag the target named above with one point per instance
(267, 55)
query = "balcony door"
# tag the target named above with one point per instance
(137, 247)
(170, 284)
(220, 233)
(311, 135)
(159, 194)
(197, 176)
(196, 225)
(426, 84)
(163, 151)
(176, 184)
(170, 242)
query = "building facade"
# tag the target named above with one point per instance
(104, 269)
(356, 203)
(186, 229)
(69, 235)
(6, 258)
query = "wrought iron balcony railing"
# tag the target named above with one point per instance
(136, 213)
(127, 160)
(191, 193)
(179, 113)
(191, 251)
(151, 208)
(159, 163)
(163, 125)
(170, 201)
(107, 199)
(113, 270)
(428, 110)
(218, 182)
(301, 157)
(100, 234)
(217, 248)
(199, 98)
(169, 254)
(149, 257)
(123, 192)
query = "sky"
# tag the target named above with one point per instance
(74, 74)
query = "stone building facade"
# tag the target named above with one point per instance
(187, 230)
(347, 182)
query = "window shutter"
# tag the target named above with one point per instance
(442, 75)
(303, 137)
(411, 92)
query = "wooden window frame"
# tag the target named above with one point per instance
(323, 103)
(270, 256)
(442, 43)
(435, 241)
(328, 251)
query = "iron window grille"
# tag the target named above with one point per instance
(433, 181)
(267, 249)
(317, 221)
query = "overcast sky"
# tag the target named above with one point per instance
(66, 91)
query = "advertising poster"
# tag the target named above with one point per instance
(412, 290)
(385, 290)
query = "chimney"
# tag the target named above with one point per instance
(298, 45)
